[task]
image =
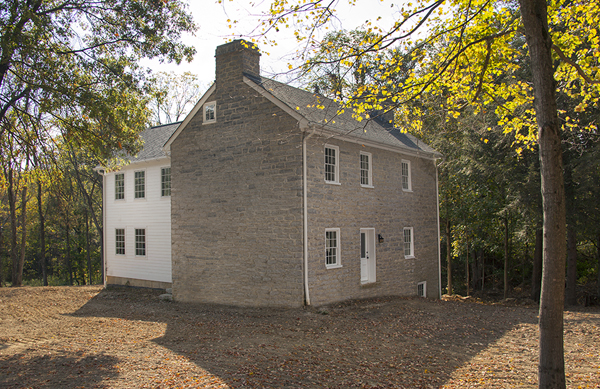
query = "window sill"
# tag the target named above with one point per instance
(333, 266)
(407, 190)
(409, 257)
(332, 183)
(211, 122)
(367, 186)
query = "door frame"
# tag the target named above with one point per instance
(371, 259)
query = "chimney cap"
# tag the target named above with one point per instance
(237, 45)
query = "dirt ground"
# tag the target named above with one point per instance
(87, 337)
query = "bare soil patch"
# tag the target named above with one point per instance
(88, 337)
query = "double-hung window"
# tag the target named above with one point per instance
(409, 250)
(120, 241)
(140, 241)
(332, 168)
(165, 181)
(332, 247)
(140, 184)
(210, 112)
(366, 177)
(406, 184)
(119, 186)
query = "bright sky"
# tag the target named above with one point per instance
(211, 19)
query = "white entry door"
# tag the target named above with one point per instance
(367, 255)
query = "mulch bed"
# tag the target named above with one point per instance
(88, 337)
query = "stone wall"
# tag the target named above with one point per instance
(236, 199)
(386, 208)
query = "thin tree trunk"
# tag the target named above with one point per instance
(68, 254)
(87, 247)
(551, 369)
(598, 280)
(482, 271)
(1, 263)
(571, 292)
(42, 235)
(467, 267)
(13, 225)
(21, 263)
(449, 256)
(505, 255)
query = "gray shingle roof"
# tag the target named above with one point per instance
(324, 112)
(154, 139)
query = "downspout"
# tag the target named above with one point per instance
(437, 195)
(305, 223)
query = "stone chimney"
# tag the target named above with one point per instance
(235, 58)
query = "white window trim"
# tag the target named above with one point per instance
(412, 242)
(409, 189)
(338, 264)
(124, 241)
(336, 166)
(370, 170)
(145, 186)
(424, 283)
(208, 104)
(115, 181)
(161, 182)
(145, 255)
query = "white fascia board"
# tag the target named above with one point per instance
(319, 130)
(149, 160)
(303, 123)
(188, 118)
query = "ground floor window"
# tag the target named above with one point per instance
(332, 247)
(140, 241)
(120, 241)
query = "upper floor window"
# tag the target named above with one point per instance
(119, 186)
(165, 181)
(406, 179)
(140, 184)
(210, 112)
(140, 241)
(365, 169)
(409, 250)
(332, 247)
(332, 164)
(120, 241)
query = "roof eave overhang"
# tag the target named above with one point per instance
(318, 129)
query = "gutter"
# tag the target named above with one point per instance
(305, 211)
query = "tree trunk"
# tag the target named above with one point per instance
(87, 248)
(68, 254)
(12, 205)
(449, 256)
(598, 280)
(467, 268)
(21, 263)
(571, 293)
(505, 255)
(1, 264)
(551, 369)
(42, 235)
(538, 257)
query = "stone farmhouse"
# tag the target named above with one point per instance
(267, 195)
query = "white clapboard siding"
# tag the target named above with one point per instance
(152, 213)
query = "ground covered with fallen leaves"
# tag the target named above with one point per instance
(88, 337)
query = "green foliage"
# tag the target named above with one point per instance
(72, 66)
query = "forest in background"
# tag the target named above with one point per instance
(489, 179)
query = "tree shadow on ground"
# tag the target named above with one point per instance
(384, 342)
(73, 370)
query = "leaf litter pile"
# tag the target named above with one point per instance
(89, 337)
